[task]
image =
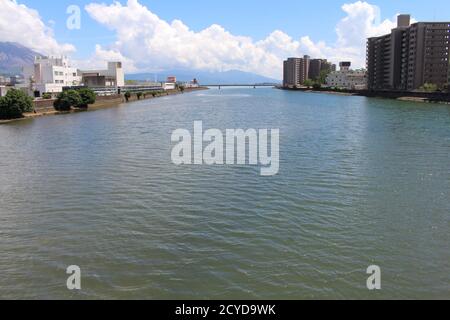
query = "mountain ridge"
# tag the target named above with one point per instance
(14, 56)
(205, 77)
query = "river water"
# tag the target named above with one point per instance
(361, 182)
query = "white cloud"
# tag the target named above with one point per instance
(100, 58)
(152, 44)
(23, 25)
(362, 21)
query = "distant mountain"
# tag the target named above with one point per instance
(205, 77)
(13, 57)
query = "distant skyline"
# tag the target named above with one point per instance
(251, 35)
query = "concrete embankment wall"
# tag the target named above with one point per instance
(43, 105)
(47, 105)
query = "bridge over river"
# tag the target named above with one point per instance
(240, 85)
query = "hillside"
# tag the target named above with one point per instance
(13, 57)
(205, 77)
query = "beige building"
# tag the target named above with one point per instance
(410, 56)
(113, 76)
(296, 71)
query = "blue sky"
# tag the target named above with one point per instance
(252, 18)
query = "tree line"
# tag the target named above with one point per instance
(16, 102)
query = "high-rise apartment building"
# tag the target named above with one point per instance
(297, 70)
(410, 56)
(315, 66)
(291, 72)
(319, 66)
(304, 71)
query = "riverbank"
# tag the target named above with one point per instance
(329, 92)
(427, 97)
(45, 107)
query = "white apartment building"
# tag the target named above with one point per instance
(50, 74)
(348, 79)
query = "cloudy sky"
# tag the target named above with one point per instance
(250, 35)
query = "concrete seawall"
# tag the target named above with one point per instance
(46, 106)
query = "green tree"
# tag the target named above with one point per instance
(87, 97)
(127, 95)
(67, 99)
(15, 104)
(3, 108)
(139, 95)
(429, 87)
(317, 85)
(323, 76)
(308, 83)
(181, 88)
(46, 95)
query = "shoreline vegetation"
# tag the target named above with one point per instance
(423, 97)
(101, 102)
(46, 108)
